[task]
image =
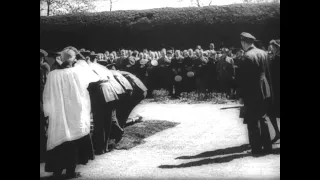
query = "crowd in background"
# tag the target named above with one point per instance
(176, 70)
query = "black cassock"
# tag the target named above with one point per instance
(275, 85)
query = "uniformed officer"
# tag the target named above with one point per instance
(254, 90)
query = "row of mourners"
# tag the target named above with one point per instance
(186, 71)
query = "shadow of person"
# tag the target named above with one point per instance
(231, 150)
(207, 161)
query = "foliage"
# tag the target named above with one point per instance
(59, 7)
(163, 27)
(157, 17)
(161, 96)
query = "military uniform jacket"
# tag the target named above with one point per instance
(253, 71)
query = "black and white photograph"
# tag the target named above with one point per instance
(159, 89)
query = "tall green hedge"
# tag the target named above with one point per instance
(165, 27)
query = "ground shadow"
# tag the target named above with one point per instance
(224, 159)
(231, 150)
(233, 107)
(47, 178)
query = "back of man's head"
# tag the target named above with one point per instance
(68, 55)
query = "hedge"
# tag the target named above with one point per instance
(164, 27)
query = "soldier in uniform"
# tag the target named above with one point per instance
(254, 91)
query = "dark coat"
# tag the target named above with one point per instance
(252, 75)
(275, 84)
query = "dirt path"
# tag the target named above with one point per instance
(203, 128)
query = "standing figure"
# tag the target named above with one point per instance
(189, 62)
(177, 65)
(275, 87)
(212, 69)
(225, 71)
(254, 90)
(164, 72)
(200, 71)
(44, 70)
(66, 103)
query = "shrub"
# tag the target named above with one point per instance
(163, 27)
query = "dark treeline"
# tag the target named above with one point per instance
(161, 28)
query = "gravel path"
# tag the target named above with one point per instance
(203, 129)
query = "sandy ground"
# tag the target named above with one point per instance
(203, 128)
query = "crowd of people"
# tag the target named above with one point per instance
(79, 85)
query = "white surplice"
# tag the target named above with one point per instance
(66, 102)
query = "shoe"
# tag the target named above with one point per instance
(99, 153)
(258, 153)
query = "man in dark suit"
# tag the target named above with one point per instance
(254, 91)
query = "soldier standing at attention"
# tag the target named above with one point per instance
(255, 92)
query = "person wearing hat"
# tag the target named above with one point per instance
(274, 111)
(255, 93)
(66, 103)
